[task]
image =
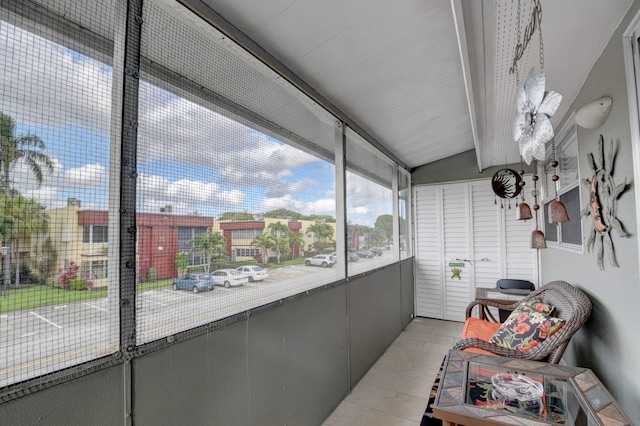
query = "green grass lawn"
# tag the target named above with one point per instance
(41, 295)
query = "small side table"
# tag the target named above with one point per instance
(572, 395)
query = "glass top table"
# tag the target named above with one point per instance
(569, 395)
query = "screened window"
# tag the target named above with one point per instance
(404, 214)
(220, 136)
(56, 101)
(370, 206)
(202, 131)
(565, 234)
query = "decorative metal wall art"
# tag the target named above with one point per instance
(604, 194)
(506, 185)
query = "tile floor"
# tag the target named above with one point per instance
(395, 391)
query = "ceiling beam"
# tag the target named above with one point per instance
(458, 20)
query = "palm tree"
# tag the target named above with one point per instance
(264, 243)
(279, 233)
(209, 243)
(295, 239)
(28, 148)
(28, 217)
(322, 232)
(13, 148)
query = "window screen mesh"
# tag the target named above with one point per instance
(224, 193)
(55, 107)
(369, 183)
(404, 213)
(234, 171)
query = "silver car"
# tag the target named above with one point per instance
(229, 277)
(323, 260)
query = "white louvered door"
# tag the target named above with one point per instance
(428, 251)
(456, 248)
(459, 226)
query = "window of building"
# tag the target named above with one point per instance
(567, 235)
(95, 234)
(246, 234)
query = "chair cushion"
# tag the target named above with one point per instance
(483, 330)
(526, 328)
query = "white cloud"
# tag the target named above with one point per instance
(43, 84)
(90, 175)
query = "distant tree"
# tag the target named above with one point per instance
(28, 148)
(296, 239)
(279, 232)
(264, 244)
(323, 235)
(181, 262)
(384, 225)
(319, 218)
(27, 217)
(44, 261)
(236, 216)
(282, 213)
(209, 243)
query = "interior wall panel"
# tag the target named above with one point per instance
(95, 399)
(374, 318)
(287, 365)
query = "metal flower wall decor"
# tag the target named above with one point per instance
(532, 127)
(603, 196)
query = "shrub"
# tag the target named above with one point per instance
(77, 284)
(69, 274)
(152, 275)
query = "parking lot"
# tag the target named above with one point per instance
(53, 337)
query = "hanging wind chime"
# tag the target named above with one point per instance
(532, 127)
(557, 211)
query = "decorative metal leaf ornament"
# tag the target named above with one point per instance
(532, 128)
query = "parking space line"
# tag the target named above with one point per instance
(95, 307)
(45, 320)
(180, 294)
(157, 303)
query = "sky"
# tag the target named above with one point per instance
(188, 156)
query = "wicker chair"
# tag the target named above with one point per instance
(571, 304)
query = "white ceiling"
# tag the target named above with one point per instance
(428, 78)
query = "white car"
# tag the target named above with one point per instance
(253, 272)
(229, 277)
(324, 260)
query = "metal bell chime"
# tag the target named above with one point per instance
(557, 211)
(523, 211)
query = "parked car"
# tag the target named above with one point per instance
(253, 272)
(376, 250)
(352, 257)
(229, 277)
(194, 282)
(365, 253)
(324, 260)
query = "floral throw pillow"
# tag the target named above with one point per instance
(526, 328)
(540, 306)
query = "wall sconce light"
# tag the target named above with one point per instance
(595, 113)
